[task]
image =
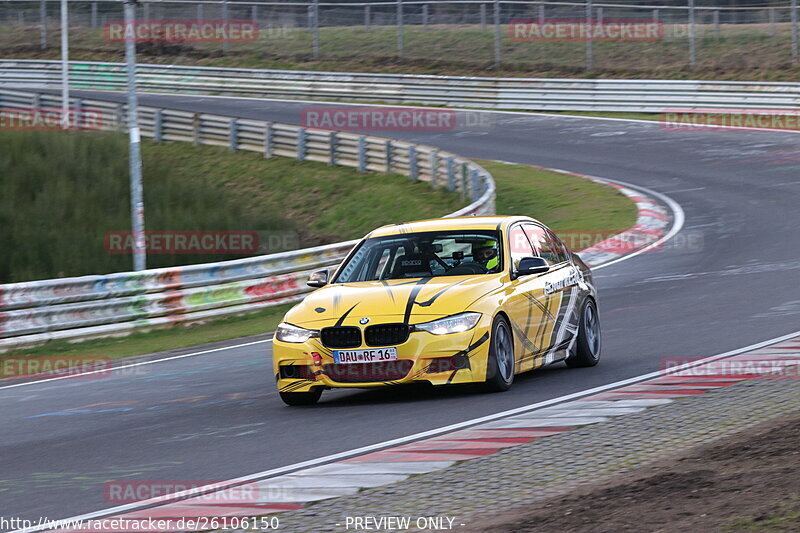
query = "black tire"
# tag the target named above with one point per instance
(500, 366)
(302, 398)
(588, 345)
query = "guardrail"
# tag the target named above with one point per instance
(114, 304)
(540, 94)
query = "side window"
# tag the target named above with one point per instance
(559, 248)
(546, 244)
(519, 245)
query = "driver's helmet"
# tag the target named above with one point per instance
(485, 253)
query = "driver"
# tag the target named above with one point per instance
(485, 253)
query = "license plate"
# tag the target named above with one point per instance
(369, 355)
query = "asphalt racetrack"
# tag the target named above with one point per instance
(730, 278)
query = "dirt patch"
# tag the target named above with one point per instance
(745, 482)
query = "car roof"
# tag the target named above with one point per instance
(445, 224)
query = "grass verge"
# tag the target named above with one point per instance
(740, 51)
(62, 193)
(564, 202)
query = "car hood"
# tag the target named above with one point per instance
(403, 300)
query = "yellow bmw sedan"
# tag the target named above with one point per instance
(444, 301)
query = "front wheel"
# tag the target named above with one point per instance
(586, 351)
(500, 367)
(302, 398)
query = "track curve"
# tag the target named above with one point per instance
(217, 416)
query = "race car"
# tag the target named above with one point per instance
(443, 301)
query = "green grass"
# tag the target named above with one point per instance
(565, 203)
(743, 51)
(562, 201)
(61, 192)
(784, 518)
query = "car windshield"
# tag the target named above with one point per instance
(424, 254)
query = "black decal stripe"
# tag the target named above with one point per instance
(388, 289)
(428, 303)
(412, 298)
(341, 318)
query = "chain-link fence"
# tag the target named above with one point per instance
(512, 35)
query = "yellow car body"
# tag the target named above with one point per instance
(543, 310)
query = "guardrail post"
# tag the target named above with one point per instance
(120, 116)
(794, 31)
(200, 15)
(389, 156)
(36, 101)
(78, 114)
(589, 43)
(413, 168)
(424, 16)
(483, 17)
(226, 46)
(315, 30)
(400, 35)
(268, 140)
(332, 149)
(599, 15)
(254, 14)
(366, 16)
(656, 16)
(476, 185)
(147, 12)
(451, 174)
(301, 144)
(692, 36)
(434, 167)
(94, 15)
(497, 57)
(362, 154)
(158, 125)
(464, 180)
(772, 30)
(196, 127)
(233, 135)
(541, 14)
(716, 24)
(42, 24)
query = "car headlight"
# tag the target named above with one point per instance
(289, 333)
(450, 324)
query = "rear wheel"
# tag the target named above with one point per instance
(586, 351)
(500, 367)
(302, 398)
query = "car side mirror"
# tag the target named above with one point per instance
(531, 265)
(318, 279)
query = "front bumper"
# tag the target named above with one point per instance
(424, 357)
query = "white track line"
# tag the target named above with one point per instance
(404, 440)
(171, 358)
(678, 220)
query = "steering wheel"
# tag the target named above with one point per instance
(470, 267)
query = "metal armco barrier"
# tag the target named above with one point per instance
(115, 304)
(541, 94)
